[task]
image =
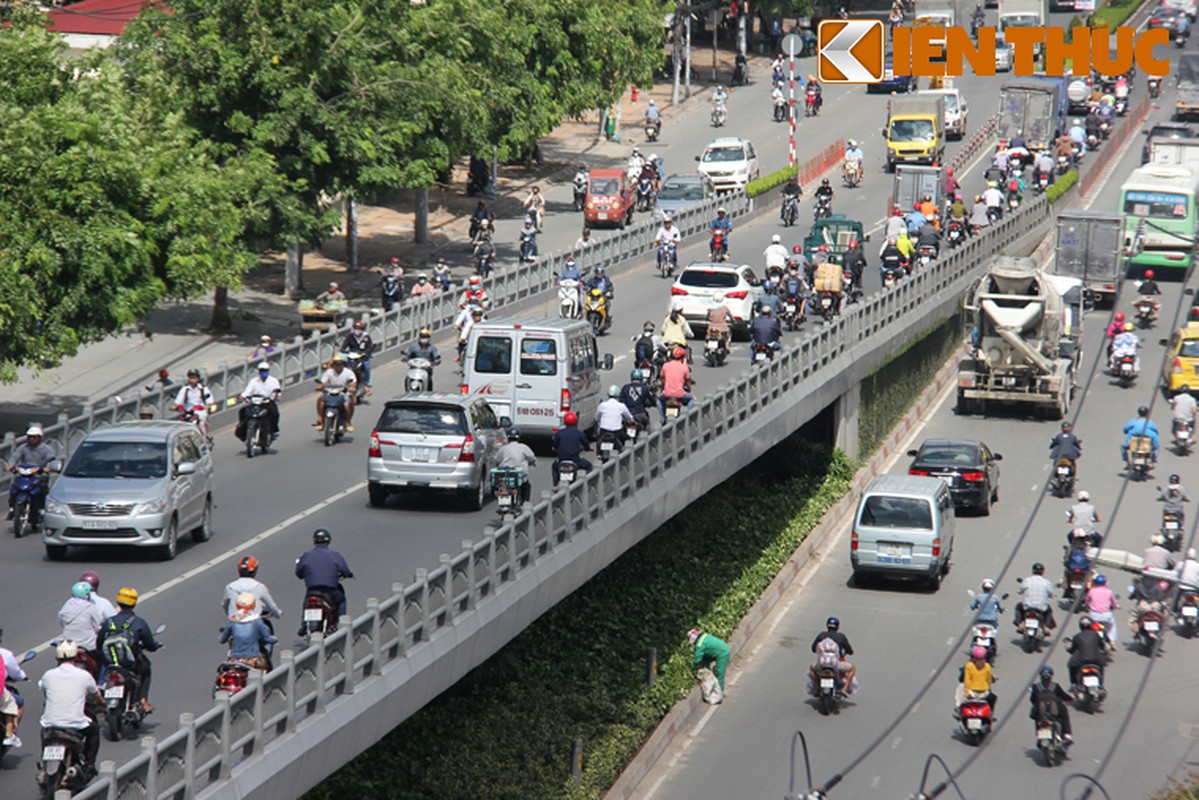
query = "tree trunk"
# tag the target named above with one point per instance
(422, 215)
(352, 234)
(222, 320)
(293, 271)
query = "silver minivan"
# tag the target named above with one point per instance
(132, 483)
(903, 528)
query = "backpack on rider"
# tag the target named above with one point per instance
(118, 649)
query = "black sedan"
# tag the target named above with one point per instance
(970, 468)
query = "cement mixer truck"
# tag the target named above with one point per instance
(1025, 340)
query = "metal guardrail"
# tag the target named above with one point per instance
(205, 749)
(301, 359)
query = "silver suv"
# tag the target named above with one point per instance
(435, 441)
(132, 483)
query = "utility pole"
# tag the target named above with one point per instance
(676, 61)
(687, 44)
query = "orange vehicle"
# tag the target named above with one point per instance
(610, 199)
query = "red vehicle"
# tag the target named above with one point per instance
(610, 199)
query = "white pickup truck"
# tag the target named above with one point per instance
(957, 110)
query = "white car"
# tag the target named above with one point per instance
(1191, 7)
(697, 284)
(730, 163)
(957, 111)
(1005, 57)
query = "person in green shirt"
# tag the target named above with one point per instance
(709, 652)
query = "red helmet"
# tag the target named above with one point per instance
(1119, 316)
(822, 249)
(853, 242)
(91, 579)
(949, 170)
(797, 249)
(680, 352)
(474, 280)
(570, 418)
(1148, 274)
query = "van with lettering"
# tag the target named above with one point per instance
(903, 528)
(535, 370)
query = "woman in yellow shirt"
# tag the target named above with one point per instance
(976, 680)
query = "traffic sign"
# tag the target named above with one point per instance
(792, 45)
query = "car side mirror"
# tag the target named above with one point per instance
(608, 362)
(997, 456)
(505, 422)
(866, 238)
(1188, 291)
(55, 465)
(697, 158)
(1163, 342)
(186, 468)
(882, 131)
(913, 453)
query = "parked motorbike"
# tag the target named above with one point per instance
(720, 248)
(790, 211)
(319, 615)
(419, 375)
(26, 487)
(568, 299)
(716, 349)
(596, 310)
(1144, 313)
(1089, 693)
(258, 425)
(976, 718)
(506, 483)
(1184, 436)
(123, 712)
(1050, 740)
(1063, 477)
(822, 208)
(668, 259)
(335, 414)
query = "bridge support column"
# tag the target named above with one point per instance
(845, 420)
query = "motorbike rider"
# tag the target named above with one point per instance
(570, 269)
(647, 347)
(637, 397)
(813, 87)
(930, 211)
(1063, 146)
(247, 582)
(579, 183)
(535, 207)
(125, 639)
(469, 318)
(915, 219)
(1091, 124)
(1156, 556)
(675, 383)
(250, 640)
(950, 184)
(1126, 343)
(528, 233)
(322, 569)
(1065, 444)
(720, 97)
(515, 454)
(653, 116)
(80, 618)
(1086, 647)
(358, 340)
(667, 234)
(992, 198)
(636, 162)
(1149, 290)
(1044, 166)
(1078, 135)
(958, 211)
(391, 290)
(987, 604)
(266, 386)
(1049, 700)
(106, 606)
(600, 280)
(1114, 329)
(855, 158)
(1037, 591)
(474, 294)
(1141, 425)
(1083, 514)
(424, 348)
(337, 376)
(422, 286)
(827, 278)
(978, 214)
(892, 258)
(10, 674)
(719, 317)
(611, 415)
(776, 256)
(896, 224)
(1182, 27)
(1184, 406)
(976, 681)
(792, 191)
(569, 443)
(854, 260)
(481, 217)
(675, 328)
(928, 236)
(722, 224)
(824, 193)
(194, 396)
(766, 330)
(33, 452)
(777, 98)
(769, 299)
(1100, 604)
(1174, 495)
(67, 688)
(839, 649)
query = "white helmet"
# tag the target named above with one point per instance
(66, 649)
(676, 305)
(34, 430)
(988, 584)
(776, 239)
(718, 297)
(262, 365)
(1084, 495)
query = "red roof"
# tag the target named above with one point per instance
(98, 17)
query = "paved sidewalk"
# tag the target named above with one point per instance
(175, 337)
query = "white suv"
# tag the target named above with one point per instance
(729, 162)
(697, 284)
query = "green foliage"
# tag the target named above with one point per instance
(1061, 185)
(765, 183)
(579, 670)
(1111, 14)
(1187, 789)
(889, 391)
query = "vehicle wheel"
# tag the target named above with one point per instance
(116, 726)
(330, 430)
(170, 543)
(204, 531)
(934, 582)
(995, 495)
(376, 494)
(477, 495)
(984, 510)
(251, 438)
(20, 516)
(56, 552)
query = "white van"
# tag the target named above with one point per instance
(535, 370)
(903, 528)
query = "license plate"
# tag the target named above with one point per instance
(712, 344)
(1171, 525)
(974, 724)
(418, 453)
(983, 641)
(504, 500)
(54, 752)
(1044, 734)
(602, 215)
(826, 683)
(1009, 381)
(1090, 681)
(759, 356)
(1190, 611)
(897, 550)
(1063, 470)
(114, 692)
(606, 446)
(100, 525)
(790, 308)
(825, 302)
(1032, 624)
(1075, 584)
(567, 477)
(672, 412)
(1152, 627)
(630, 433)
(313, 615)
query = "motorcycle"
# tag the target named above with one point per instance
(1013, 201)
(1121, 106)
(29, 656)
(674, 407)
(1032, 630)
(418, 378)
(334, 424)
(1184, 436)
(355, 360)
(319, 614)
(668, 258)
(596, 309)
(652, 129)
(1063, 164)
(528, 246)
(983, 635)
(719, 250)
(975, 718)
(719, 115)
(716, 350)
(506, 483)
(763, 353)
(1188, 612)
(1063, 477)
(955, 234)
(780, 110)
(484, 258)
(811, 103)
(1126, 370)
(1155, 86)
(1050, 740)
(994, 213)
(1040, 182)
(1172, 528)
(26, 486)
(1180, 39)
(1138, 459)
(850, 287)
(568, 299)
(830, 689)
(608, 445)
(892, 276)
(393, 292)
(579, 184)
(1147, 630)
(63, 765)
(1074, 582)
(823, 207)
(1105, 129)
(926, 253)
(631, 431)
(258, 425)
(233, 674)
(827, 306)
(1145, 313)
(851, 174)
(123, 712)
(1093, 141)
(790, 211)
(1089, 694)
(645, 194)
(192, 417)
(791, 316)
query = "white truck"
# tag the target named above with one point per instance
(1175, 153)
(1088, 248)
(1023, 14)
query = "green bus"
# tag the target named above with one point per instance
(1161, 217)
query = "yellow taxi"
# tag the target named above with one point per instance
(1182, 363)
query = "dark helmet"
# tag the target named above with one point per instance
(247, 567)
(1143, 411)
(1101, 580)
(321, 536)
(91, 578)
(1174, 478)
(1066, 426)
(514, 434)
(1046, 674)
(193, 373)
(1038, 568)
(832, 623)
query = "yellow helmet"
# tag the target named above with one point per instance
(1129, 327)
(127, 597)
